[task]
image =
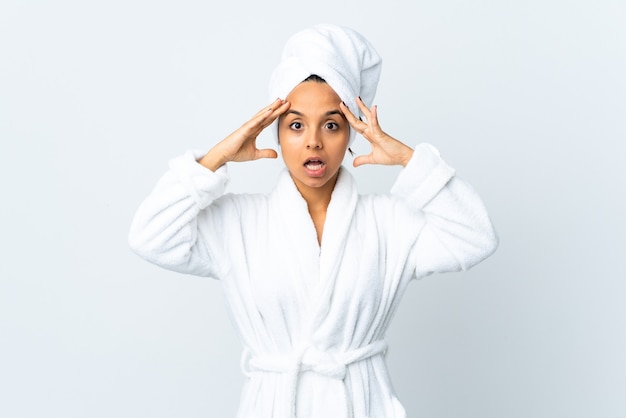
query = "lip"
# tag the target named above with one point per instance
(314, 167)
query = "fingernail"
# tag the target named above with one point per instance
(360, 99)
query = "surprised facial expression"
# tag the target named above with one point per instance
(313, 136)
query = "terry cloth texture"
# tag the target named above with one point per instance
(341, 56)
(313, 318)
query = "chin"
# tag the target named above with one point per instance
(313, 182)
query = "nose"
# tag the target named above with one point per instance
(313, 141)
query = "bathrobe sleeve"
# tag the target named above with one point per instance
(174, 228)
(457, 232)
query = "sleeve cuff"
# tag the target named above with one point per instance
(201, 183)
(423, 177)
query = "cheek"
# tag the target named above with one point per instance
(287, 151)
(342, 146)
(284, 135)
(290, 140)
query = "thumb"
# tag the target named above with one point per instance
(361, 160)
(266, 153)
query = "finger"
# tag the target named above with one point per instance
(347, 113)
(357, 124)
(363, 108)
(370, 113)
(362, 160)
(373, 118)
(274, 112)
(266, 116)
(265, 153)
(284, 106)
(276, 103)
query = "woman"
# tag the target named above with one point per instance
(313, 272)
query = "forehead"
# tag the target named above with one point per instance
(312, 94)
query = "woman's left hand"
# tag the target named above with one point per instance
(386, 150)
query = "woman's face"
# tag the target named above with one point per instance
(313, 136)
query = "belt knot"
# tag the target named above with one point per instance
(309, 358)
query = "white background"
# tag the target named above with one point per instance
(526, 99)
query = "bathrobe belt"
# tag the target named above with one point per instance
(309, 358)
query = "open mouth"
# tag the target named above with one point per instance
(314, 165)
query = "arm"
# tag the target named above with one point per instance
(180, 225)
(164, 230)
(456, 233)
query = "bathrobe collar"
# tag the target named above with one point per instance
(324, 259)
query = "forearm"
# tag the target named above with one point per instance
(164, 229)
(214, 158)
(458, 232)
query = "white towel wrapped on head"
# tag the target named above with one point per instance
(341, 56)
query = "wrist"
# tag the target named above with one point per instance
(212, 160)
(406, 156)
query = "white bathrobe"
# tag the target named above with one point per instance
(312, 318)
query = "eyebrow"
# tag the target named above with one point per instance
(329, 113)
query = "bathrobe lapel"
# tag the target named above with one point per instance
(319, 265)
(301, 251)
(336, 230)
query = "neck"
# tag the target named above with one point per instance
(317, 198)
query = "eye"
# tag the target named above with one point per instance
(295, 126)
(333, 126)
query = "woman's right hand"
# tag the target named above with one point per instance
(240, 145)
